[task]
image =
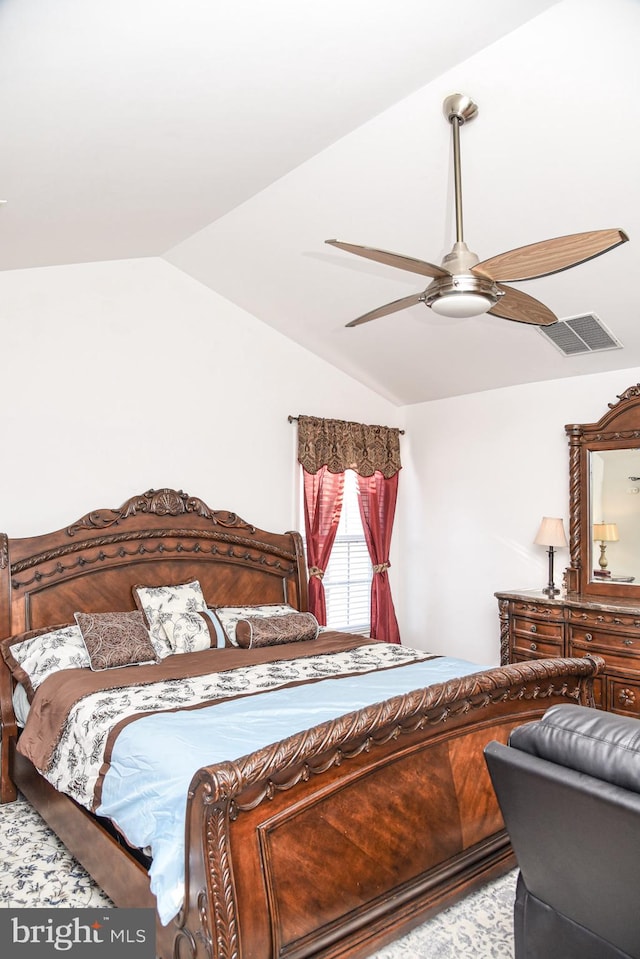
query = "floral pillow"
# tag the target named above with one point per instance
(188, 632)
(116, 639)
(160, 603)
(229, 616)
(256, 631)
(34, 655)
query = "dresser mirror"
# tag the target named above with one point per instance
(614, 484)
(604, 484)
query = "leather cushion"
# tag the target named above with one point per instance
(591, 741)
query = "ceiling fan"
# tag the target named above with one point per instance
(462, 286)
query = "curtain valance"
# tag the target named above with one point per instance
(341, 445)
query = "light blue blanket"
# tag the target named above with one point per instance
(155, 757)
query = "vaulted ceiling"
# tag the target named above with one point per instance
(234, 138)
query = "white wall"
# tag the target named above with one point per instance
(122, 376)
(479, 473)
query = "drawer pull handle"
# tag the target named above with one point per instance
(626, 697)
(628, 642)
(534, 628)
(533, 646)
(617, 621)
(588, 637)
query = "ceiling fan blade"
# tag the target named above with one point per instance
(392, 259)
(519, 306)
(549, 256)
(388, 308)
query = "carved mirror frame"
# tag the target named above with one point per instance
(619, 428)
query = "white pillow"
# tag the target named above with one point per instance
(189, 632)
(160, 603)
(44, 652)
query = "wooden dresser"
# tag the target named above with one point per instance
(534, 626)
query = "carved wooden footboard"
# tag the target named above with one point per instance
(335, 841)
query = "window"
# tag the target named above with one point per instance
(347, 579)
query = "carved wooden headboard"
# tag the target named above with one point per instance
(156, 538)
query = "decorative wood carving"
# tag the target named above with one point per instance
(503, 614)
(628, 394)
(162, 502)
(313, 751)
(575, 506)
(225, 929)
(627, 698)
(239, 547)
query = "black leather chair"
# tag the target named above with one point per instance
(569, 791)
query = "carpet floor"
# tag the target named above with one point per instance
(39, 872)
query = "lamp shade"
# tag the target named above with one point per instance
(606, 532)
(551, 533)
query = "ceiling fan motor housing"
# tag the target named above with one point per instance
(464, 294)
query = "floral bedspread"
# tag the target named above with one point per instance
(73, 750)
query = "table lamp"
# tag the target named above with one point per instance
(551, 534)
(605, 533)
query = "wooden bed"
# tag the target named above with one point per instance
(328, 844)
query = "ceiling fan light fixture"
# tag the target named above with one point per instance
(461, 305)
(461, 296)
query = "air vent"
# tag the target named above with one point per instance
(580, 334)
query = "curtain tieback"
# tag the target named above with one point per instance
(316, 571)
(381, 567)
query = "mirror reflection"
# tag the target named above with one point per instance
(615, 515)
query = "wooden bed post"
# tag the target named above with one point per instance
(207, 925)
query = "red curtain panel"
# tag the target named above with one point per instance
(322, 507)
(377, 501)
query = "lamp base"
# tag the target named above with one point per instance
(551, 589)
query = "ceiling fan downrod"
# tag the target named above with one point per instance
(458, 109)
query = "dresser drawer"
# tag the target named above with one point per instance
(536, 651)
(539, 610)
(597, 618)
(616, 664)
(623, 644)
(526, 628)
(624, 697)
(536, 646)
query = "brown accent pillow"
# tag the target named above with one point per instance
(116, 639)
(228, 616)
(255, 631)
